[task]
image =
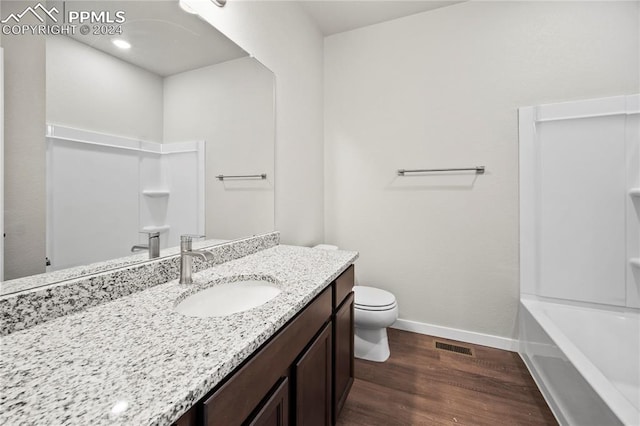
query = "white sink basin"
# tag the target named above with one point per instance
(228, 298)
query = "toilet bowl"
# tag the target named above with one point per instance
(374, 310)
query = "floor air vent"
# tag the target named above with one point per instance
(453, 348)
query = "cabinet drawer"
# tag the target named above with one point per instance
(342, 286)
(234, 401)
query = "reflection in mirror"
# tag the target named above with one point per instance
(135, 139)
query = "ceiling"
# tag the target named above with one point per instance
(164, 39)
(336, 16)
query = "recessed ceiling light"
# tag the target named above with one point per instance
(121, 43)
(184, 6)
(219, 3)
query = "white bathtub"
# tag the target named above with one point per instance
(586, 361)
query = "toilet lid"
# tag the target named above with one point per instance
(371, 297)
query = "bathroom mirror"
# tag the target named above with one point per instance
(137, 134)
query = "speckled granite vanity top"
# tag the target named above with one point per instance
(135, 361)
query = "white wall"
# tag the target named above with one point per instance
(91, 90)
(229, 106)
(24, 149)
(281, 36)
(441, 89)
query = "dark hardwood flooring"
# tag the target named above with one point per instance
(422, 385)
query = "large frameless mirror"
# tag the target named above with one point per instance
(146, 122)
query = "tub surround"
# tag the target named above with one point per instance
(136, 361)
(22, 310)
(579, 286)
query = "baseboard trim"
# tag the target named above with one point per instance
(457, 334)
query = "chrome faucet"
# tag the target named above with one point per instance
(153, 246)
(186, 257)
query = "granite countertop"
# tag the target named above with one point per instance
(134, 361)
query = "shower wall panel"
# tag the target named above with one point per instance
(580, 234)
(92, 203)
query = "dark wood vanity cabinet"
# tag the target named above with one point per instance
(301, 376)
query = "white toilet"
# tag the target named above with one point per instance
(375, 310)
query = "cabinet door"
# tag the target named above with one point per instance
(343, 350)
(313, 382)
(275, 411)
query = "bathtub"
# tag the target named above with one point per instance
(586, 361)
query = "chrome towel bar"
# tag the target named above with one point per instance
(260, 176)
(478, 169)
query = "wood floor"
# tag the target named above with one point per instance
(422, 385)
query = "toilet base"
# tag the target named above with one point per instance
(371, 344)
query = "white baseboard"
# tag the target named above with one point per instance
(457, 334)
